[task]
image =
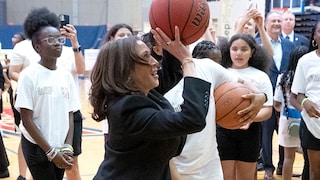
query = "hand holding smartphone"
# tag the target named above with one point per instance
(64, 20)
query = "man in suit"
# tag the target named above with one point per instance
(287, 30)
(282, 48)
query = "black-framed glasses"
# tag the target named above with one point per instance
(52, 40)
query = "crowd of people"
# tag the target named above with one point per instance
(155, 98)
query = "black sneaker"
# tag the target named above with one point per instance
(4, 174)
(279, 171)
(260, 166)
(21, 178)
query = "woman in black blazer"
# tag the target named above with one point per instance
(144, 131)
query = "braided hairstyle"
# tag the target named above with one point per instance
(207, 49)
(287, 77)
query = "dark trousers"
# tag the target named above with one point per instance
(4, 162)
(16, 114)
(38, 163)
(305, 172)
(268, 127)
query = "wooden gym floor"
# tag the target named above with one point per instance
(92, 141)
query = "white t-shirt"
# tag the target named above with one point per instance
(285, 139)
(199, 158)
(67, 61)
(51, 95)
(105, 126)
(258, 79)
(23, 53)
(307, 81)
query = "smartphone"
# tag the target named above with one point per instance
(64, 20)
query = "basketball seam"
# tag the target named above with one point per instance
(153, 20)
(231, 110)
(189, 15)
(169, 19)
(226, 92)
(234, 106)
(208, 17)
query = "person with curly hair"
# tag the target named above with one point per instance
(46, 101)
(239, 149)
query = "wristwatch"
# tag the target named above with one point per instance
(78, 49)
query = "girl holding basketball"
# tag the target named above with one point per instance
(239, 149)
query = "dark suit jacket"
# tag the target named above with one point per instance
(145, 132)
(299, 40)
(273, 72)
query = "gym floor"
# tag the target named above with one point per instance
(92, 141)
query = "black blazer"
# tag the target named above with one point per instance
(145, 132)
(299, 40)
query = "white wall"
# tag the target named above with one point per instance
(225, 12)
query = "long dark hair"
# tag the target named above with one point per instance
(287, 77)
(113, 31)
(259, 58)
(111, 73)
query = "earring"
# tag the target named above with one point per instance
(314, 43)
(129, 79)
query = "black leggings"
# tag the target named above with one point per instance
(38, 163)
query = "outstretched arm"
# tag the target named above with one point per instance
(70, 32)
(265, 40)
(244, 19)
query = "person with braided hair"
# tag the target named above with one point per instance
(207, 49)
(288, 132)
(46, 100)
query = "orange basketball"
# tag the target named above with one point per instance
(228, 102)
(191, 16)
